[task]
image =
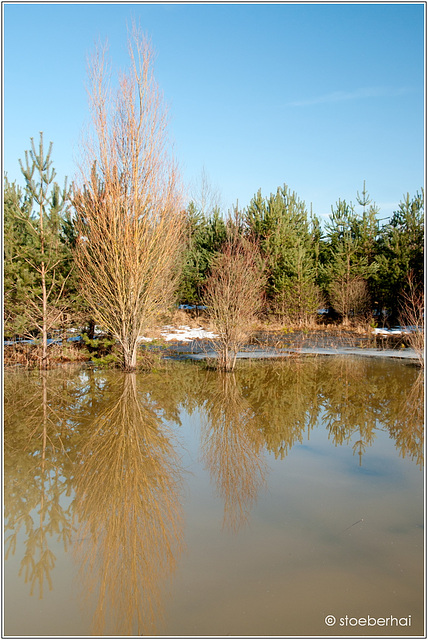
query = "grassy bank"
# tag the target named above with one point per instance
(265, 333)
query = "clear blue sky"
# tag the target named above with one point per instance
(318, 96)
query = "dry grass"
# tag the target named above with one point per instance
(272, 324)
(67, 353)
(25, 355)
(182, 317)
(31, 355)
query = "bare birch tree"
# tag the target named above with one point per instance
(128, 201)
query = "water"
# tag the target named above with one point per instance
(187, 502)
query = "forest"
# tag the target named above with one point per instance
(120, 247)
(353, 267)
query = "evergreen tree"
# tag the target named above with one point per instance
(401, 253)
(19, 278)
(42, 258)
(367, 226)
(204, 238)
(195, 260)
(348, 268)
(280, 225)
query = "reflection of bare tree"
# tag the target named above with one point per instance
(231, 446)
(35, 484)
(127, 503)
(407, 428)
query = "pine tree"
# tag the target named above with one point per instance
(46, 255)
(401, 252)
(348, 268)
(206, 233)
(281, 227)
(367, 226)
(19, 278)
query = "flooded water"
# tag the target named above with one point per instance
(285, 499)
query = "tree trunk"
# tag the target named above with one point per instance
(129, 352)
(44, 363)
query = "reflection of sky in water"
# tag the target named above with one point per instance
(270, 545)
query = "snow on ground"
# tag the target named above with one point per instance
(183, 334)
(394, 331)
(186, 334)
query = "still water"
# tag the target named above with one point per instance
(187, 502)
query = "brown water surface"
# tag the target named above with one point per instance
(188, 502)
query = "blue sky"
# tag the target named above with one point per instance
(317, 96)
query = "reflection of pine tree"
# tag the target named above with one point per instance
(35, 482)
(357, 403)
(127, 503)
(284, 399)
(108, 432)
(231, 446)
(351, 403)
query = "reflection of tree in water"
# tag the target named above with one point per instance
(36, 460)
(284, 397)
(231, 447)
(406, 424)
(352, 404)
(273, 405)
(127, 502)
(362, 396)
(270, 406)
(101, 434)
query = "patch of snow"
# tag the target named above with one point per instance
(394, 331)
(186, 334)
(182, 334)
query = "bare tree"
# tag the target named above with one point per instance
(350, 297)
(205, 195)
(412, 316)
(128, 201)
(233, 296)
(232, 446)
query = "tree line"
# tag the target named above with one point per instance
(118, 247)
(352, 264)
